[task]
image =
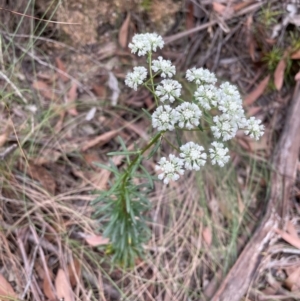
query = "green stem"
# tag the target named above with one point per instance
(151, 77)
(131, 165)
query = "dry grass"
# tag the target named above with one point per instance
(48, 176)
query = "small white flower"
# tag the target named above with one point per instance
(200, 76)
(188, 115)
(207, 96)
(193, 156)
(231, 92)
(254, 128)
(155, 41)
(164, 66)
(140, 44)
(144, 43)
(164, 118)
(135, 78)
(168, 90)
(171, 169)
(225, 128)
(218, 154)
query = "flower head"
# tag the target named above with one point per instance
(164, 118)
(254, 128)
(135, 78)
(218, 154)
(144, 43)
(168, 90)
(193, 155)
(188, 115)
(200, 76)
(171, 169)
(226, 89)
(224, 127)
(164, 66)
(207, 96)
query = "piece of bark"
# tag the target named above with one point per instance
(285, 159)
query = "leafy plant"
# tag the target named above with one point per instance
(121, 209)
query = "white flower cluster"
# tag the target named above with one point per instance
(145, 43)
(226, 119)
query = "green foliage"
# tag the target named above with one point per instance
(146, 5)
(272, 58)
(121, 209)
(268, 16)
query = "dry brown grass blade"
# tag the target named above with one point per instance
(285, 159)
(35, 18)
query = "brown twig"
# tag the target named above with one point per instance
(285, 159)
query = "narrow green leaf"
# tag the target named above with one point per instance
(123, 153)
(147, 113)
(154, 149)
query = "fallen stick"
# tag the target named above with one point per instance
(284, 163)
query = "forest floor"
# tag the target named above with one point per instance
(64, 104)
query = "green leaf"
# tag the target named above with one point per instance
(154, 149)
(147, 113)
(200, 128)
(148, 176)
(178, 138)
(123, 153)
(109, 168)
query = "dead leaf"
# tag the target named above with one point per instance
(47, 155)
(41, 174)
(123, 32)
(297, 76)
(74, 271)
(91, 114)
(207, 235)
(292, 282)
(100, 91)
(7, 131)
(63, 287)
(70, 99)
(253, 111)
(257, 92)
(6, 291)
(279, 74)
(48, 287)
(218, 8)
(296, 55)
(100, 140)
(61, 66)
(250, 38)
(114, 86)
(96, 240)
(190, 19)
(294, 241)
(44, 89)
